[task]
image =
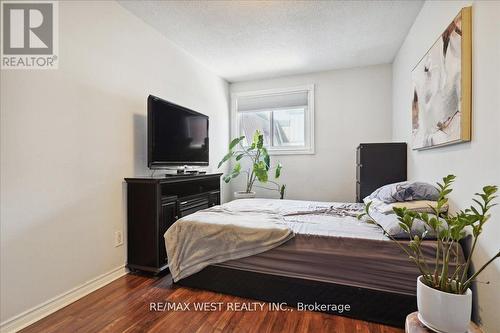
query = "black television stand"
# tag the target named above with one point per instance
(154, 204)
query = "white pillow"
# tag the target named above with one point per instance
(405, 191)
(390, 223)
(419, 206)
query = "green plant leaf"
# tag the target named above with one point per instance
(400, 212)
(474, 210)
(237, 168)
(446, 192)
(260, 171)
(404, 227)
(489, 189)
(360, 216)
(277, 173)
(260, 144)
(424, 217)
(235, 141)
(266, 158)
(258, 139)
(239, 157)
(449, 179)
(225, 158)
(255, 138)
(443, 234)
(407, 219)
(433, 222)
(282, 191)
(412, 214)
(490, 206)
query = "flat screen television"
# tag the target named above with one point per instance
(176, 135)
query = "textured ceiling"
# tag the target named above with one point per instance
(244, 40)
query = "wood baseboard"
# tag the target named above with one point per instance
(40, 311)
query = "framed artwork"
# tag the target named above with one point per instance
(442, 88)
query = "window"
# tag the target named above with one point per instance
(284, 116)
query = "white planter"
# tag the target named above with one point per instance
(244, 195)
(443, 312)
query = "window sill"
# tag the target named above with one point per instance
(298, 151)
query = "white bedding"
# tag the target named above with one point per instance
(242, 228)
(316, 218)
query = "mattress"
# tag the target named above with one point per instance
(314, 218)
(333, 246)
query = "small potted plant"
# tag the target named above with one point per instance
(260, 166)
(444, 297)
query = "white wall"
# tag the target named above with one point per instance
(70, 136)
(476, 163)
(351, 106)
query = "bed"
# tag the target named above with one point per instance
(331, 257)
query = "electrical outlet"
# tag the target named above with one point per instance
(118, 238)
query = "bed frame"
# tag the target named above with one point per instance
(390, 308)
(365, 304)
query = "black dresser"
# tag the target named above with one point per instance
(153, 205)
(379, 164)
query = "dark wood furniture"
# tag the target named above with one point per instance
(153, 205)
(379, 164)
(414, 325)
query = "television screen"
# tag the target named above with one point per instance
(176, 135)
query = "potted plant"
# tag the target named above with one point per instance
(444, 297)
(260, 166)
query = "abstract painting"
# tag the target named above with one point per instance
(442, 88)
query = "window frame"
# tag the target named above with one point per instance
(308, 148)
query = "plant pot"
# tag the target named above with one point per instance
(443, 312)
(244, 195)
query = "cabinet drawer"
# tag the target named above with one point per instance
(214, 198)
(191, 210)
(190, 206)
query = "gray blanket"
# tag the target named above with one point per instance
(219, 234)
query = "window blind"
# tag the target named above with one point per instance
(272, 101)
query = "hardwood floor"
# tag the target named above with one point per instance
(124, 306)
